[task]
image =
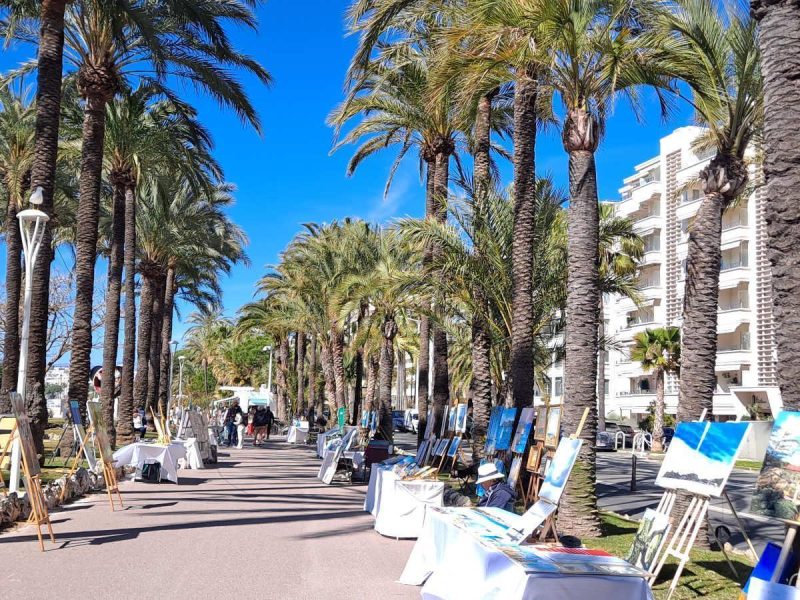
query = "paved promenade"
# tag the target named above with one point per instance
(258, 525)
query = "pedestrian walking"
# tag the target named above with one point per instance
(270, 421)
(230, 423)
(241, 422)
(259, 426)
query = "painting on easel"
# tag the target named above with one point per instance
(25, 434)
(540, 427)
(98, 422)
(491, 432)
(523, 431)
(650, 537)
(506, 428)
(777, 491)
(553, 430)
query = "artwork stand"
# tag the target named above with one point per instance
(76, 461)
(33, 487)
(683, 539)
(534, 472)
(740, 524)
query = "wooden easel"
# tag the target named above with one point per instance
(76, 461)
(531, 494)
(109, 473)
(33, 486)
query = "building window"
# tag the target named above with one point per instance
(558, 386)
(605, 387)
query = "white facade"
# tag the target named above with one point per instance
(57, 376)
(662, 197)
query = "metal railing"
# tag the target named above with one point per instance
(642, 442)
(616, 439)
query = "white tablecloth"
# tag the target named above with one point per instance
(296, 435)
(461, 568)
(136, 454)
(373, 489)
(194, 455)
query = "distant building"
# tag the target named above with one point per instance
(662, 197)
(57, 376)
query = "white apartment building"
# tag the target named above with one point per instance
(662, 197)
(57, 376)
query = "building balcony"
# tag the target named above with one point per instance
(688, 209)
(734, 235)
(731, 319)
(640, 403)
(733, 276)
(645, 190)
(733, 360)
(652, 257)
(647, 223)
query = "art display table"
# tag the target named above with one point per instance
(323, 439)
(400, 507)
(136, 454)
(457, 565)
(297, 435)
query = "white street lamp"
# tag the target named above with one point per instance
(32, 222)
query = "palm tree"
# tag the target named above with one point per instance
(385, 287)
(17, 121)
(143, 132)
(716, 54)
(204, 339)
(659, 351)
(779, 24)
(148, 42)
(50, 44)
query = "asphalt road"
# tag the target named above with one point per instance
(259, 525)
(614, 493)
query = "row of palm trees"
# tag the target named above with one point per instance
(438, 75)
(107, 120)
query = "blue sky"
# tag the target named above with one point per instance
(286, 177)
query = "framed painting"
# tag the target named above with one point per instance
(534, 456)
(553, 430)
(540, 428)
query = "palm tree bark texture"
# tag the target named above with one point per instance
(524, 160)
(779, 39)
(578, 508)
(424, 358)
(337, 354)
(125, 423)
(386, 368)
(116, 260)
(722, 180)
(312, 374)
(281, 380)
(441, 378)
(164, 391)
(154, 360)
(13, 291)
(144, 337)
(43, 172)
(97, 87)
(300, 354)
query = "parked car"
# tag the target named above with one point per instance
(411, 420)
(613, 428)
(604, 442)
(398, 420)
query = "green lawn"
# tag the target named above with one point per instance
(706, 576)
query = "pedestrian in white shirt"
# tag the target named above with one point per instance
(241, 423)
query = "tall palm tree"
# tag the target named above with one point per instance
(17, 122)
(144, 131)
(779, 25)
(50, 59)
(714, 50)
(204, 339)
(385, 286)
(659, 351)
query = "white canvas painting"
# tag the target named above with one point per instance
(530, 520)
(558, 470)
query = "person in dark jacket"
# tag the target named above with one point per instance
(270, 421)
(496, 492)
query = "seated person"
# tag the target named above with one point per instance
(496, 492)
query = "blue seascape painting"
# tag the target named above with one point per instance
(505, 430)
(523, 430)
(701, 456)
(491, 432)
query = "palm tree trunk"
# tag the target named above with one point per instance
(522, 248)
(280, 379)
(481, 383)
(113, 293)
(441, 378)
(483, 144)
(699, 342)
(424, 359)
(328, 375)
(658, 416)
(601, 370)
(125, 423)
(300, 354)
(164, 391)
(386, 368)
(86, 246)
(143, 347)
(43, 174)
(578, 510)
(154, 360)
(337, 354)
(779, 37)
(357, 400)
(13, 290)
(312, 374)
(401, 380)
(373, 366)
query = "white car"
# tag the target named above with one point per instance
(411, 420)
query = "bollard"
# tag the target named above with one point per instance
(633, 472)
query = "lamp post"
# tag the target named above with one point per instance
(32, 222)
(173, 347)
